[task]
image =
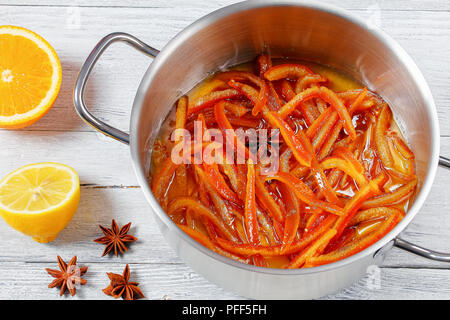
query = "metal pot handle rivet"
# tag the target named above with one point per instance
(421, 251)
(83, 76)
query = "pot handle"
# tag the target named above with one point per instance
(78, 92)
(421, 251)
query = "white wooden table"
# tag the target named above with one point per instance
(109, 187)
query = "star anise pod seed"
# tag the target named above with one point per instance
(68, 276)
(121, 287)
(115, 238)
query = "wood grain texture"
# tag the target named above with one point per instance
(157, 281)
(410, 5)
(96, 158)
(109, 186)
(113, 85)
(20, 280)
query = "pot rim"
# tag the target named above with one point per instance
(210, 18)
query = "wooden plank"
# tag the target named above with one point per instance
(413, 5)
(157, 281)
(398, 284)
(97, 159)
(174, 281)
(114, 82)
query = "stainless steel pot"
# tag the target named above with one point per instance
(295, 29)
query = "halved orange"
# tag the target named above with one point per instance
(30, 77)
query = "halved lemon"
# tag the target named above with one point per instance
(30, 77)
(40, 199)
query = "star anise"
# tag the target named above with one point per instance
(115, 238)
(120, 286)
(68, 276)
